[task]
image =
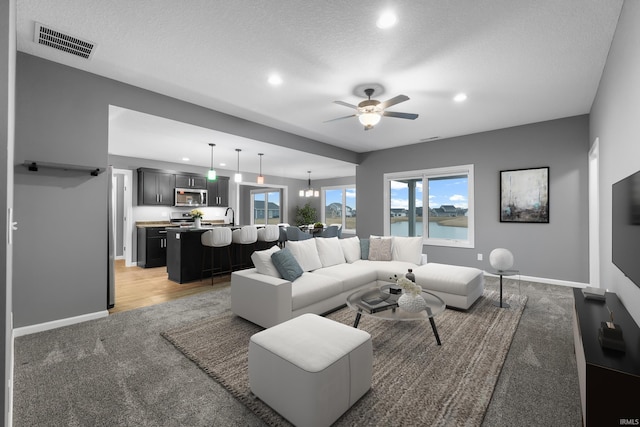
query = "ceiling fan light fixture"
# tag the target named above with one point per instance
(370, 118)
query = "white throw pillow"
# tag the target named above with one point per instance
(306, 253)
(330, 251)
(263, 263)
(350, 248)
(408, 249)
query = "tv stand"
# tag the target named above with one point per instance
(609, 379)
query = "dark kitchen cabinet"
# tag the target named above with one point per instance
(155, 187)
(152, 247)
(218, 192)
(191, 181)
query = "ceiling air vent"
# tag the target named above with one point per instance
(64, 42)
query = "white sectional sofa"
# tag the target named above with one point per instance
(327, 270)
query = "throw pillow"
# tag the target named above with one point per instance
(364, 248)
(330, 251)
(263, 263)
(351, 248)
(407, 249)
(380, 249)
(306, 253)
(286, 264)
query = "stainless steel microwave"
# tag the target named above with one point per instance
(190, 197)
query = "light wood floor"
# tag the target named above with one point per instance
(140, 287)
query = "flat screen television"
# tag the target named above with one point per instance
(626, 226)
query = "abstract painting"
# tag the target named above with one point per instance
(524, 195)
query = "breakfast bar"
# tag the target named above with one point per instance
(185, 254)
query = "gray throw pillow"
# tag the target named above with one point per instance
(286, 264)
(364, 248)
(380, 249)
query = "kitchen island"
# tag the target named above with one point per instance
(185, 251)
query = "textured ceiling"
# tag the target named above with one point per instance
(519, 61)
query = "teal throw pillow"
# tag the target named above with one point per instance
(286, 264)
(364, 248)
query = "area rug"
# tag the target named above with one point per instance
(415, 381)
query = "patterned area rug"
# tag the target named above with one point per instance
(415, 381)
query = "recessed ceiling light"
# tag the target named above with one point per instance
(460, 97)
(223, 164)
(387, 20)
(185, 159)
(275, 80)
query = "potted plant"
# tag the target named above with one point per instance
(305, 215)
(318, 225)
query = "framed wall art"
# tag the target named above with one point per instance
(524, 195)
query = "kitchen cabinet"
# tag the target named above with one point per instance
(155, 187)
(152, 247)
(218, 192)
(191, 181)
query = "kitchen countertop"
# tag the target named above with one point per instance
(144, 224)
(203, 228)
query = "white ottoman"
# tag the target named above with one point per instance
(310, 369)
(458, 286)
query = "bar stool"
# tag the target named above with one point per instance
(243, 237)
(267, 236)
(218, 237)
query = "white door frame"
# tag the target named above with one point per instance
(127, 222)
(594, 214)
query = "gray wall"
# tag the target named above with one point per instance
(614, 120)
(60, 267)
(7, 112)
(558, 250)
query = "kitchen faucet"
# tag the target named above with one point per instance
(232, 215)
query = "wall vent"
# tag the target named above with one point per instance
(58, 40)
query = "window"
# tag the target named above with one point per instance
(340, 206)
(265, 205)
(443, 196)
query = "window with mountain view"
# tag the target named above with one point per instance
(434, 203)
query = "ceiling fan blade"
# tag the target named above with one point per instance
(339, 118)
(393, 101)
(346, 104)
(409, 116)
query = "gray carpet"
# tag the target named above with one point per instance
(415, 381)
(119, 371)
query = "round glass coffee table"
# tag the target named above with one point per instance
(381, 303)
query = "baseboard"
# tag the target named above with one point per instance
(542, 280)
(40, 327)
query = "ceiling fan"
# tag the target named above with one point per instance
(370, 111)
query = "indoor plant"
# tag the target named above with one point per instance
(305, 215)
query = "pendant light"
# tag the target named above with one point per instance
(212, 175)
(309, 192)
(238, 175)
(260, 179)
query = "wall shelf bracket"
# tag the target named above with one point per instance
(34, 166)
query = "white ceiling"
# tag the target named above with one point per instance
(519, 61)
